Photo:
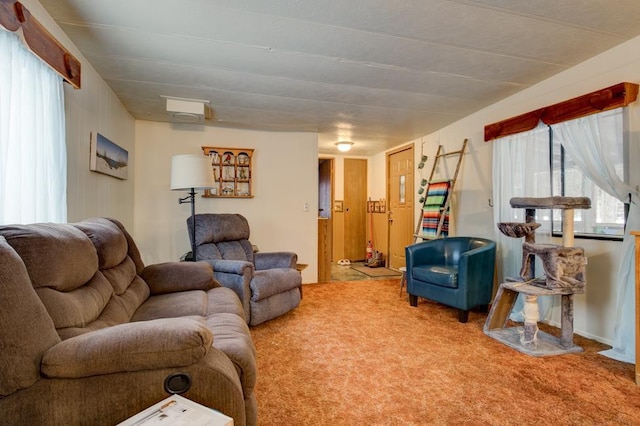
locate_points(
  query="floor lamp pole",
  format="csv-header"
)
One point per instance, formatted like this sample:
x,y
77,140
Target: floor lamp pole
x,y
193,222
191,198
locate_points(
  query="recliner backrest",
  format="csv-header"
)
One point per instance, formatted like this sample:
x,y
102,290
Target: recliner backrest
x,y
222,236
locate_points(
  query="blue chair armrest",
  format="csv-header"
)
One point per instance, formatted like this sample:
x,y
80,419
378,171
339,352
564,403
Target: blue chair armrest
x,y
476,274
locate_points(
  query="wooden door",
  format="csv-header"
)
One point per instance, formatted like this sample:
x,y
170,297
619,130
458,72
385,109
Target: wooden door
x,y
355,209
400,203
325,219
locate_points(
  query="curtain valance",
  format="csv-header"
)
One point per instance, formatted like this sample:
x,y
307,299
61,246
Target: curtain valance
x,y
619,95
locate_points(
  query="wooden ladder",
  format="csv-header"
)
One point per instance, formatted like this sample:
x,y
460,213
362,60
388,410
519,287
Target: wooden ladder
x,y
418,235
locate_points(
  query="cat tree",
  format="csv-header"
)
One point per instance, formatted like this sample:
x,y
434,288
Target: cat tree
x,y
564,275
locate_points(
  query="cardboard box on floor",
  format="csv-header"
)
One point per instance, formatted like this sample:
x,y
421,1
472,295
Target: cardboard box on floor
x,y
178,411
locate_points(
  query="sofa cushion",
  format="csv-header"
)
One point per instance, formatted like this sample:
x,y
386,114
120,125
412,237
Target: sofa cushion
x,y
27,330
138,346
180,304
121,276
233,338
224,300
132,249
444,276
119,310
109,241
79,307
57,256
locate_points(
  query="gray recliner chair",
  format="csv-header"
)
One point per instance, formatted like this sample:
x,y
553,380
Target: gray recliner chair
x,y
268,284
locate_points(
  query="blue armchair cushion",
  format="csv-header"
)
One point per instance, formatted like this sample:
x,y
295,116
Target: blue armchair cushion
x,y
444,276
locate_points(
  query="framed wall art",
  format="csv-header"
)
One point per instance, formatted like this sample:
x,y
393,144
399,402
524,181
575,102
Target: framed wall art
x,y
108,157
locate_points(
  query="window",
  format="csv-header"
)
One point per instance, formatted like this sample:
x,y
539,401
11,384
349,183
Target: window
x,y
33,155
606,218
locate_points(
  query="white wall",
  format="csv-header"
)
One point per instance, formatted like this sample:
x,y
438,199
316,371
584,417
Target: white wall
x,y
377,177
93,108
285,177
594,311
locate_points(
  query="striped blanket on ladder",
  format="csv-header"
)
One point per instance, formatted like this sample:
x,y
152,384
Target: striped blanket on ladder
x,y
436,197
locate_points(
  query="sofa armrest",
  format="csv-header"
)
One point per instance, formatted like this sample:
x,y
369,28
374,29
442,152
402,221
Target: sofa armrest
x,y
144,345
171,277
276,259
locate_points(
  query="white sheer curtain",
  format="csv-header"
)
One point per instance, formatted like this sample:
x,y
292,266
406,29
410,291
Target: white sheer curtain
x,y
520,169
590,142
33,158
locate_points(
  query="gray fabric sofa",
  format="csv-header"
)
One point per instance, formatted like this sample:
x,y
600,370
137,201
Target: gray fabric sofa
x,y
89,333
268,284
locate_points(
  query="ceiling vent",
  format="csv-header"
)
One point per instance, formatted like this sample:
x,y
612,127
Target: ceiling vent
x,y
183,110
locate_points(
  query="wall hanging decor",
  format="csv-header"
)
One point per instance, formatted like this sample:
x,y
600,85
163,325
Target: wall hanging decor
x,y
231,168
108,157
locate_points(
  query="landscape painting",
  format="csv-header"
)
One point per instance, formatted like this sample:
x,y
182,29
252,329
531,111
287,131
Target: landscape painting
x,y
108,158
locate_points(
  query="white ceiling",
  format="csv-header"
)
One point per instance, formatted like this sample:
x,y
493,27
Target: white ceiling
x,y
376,72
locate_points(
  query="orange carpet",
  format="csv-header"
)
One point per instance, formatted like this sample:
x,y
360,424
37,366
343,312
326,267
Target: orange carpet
x,y
377,272
356,353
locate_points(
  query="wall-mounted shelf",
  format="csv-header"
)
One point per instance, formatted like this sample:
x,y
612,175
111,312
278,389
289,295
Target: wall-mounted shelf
x,y
231,168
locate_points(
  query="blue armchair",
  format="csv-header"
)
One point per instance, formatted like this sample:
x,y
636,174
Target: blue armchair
x,y
454,271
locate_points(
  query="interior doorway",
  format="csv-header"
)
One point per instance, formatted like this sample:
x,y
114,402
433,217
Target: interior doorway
x,y
400,196
325,217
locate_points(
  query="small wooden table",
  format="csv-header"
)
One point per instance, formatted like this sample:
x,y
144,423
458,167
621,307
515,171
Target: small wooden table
x,y
301,267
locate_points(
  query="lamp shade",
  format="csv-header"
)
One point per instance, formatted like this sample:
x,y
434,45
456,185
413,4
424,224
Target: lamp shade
x,y
191,171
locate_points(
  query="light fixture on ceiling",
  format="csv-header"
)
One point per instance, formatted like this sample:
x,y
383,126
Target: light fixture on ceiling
x,y
344,146
186,110
191,172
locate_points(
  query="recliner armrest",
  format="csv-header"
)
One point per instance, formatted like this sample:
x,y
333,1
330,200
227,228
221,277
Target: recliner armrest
x,y
276,259
171,277
144,345
231,266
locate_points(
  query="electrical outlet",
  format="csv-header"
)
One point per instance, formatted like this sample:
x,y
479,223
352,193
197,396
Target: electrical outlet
x,y
305,207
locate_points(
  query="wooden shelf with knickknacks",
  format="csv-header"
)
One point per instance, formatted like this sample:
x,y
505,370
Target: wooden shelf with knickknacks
x,y
231,169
